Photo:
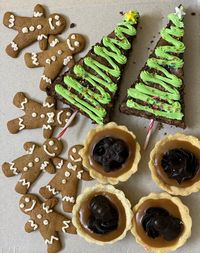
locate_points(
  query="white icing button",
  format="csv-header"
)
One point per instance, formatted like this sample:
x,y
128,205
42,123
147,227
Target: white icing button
x,y
37,159
30,164
74,150
53,58
68,114
57,17
39,216
34,114
25,169
45,222
24,29
31,28
39,27
73,36
60,52
67,174
48,61
51,143
21,205
42,116
64,181
27,200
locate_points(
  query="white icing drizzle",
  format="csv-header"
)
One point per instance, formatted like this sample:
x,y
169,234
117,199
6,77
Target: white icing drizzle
x,y
67,60
44,165
79,174
22,126
52,189
54,42
34,59
41,37
32,207
25,29
60,164
58,117
46,79
50,116
75,160
31,149
37,14
13,168
31,28
46,127
47,152
46,208
76,43
50,23
46,104
66,223
33,224
23,103
68,199
69,45
24,182
71,167
51,240
14,46
11,21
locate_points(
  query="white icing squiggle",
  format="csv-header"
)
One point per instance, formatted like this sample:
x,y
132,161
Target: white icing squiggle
x,y
46,79
46,208
13,168
52,189
22,126
34,59
75,160
37,14
31,149
23,103
24,182
46,104
50,116
44,165
46,127
67,60
71,167
11,21
41,37
69,45
32,207
14,46
33,224
66,223
68,199
51,240
59,165
54,42
79,174
58,117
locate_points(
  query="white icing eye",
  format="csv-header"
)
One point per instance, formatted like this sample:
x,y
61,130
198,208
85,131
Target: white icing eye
x,y
21,205
27,200
56,148
67,174
25,169
45,222
39,27
42,116
39,216
68,114
76,44
31,28
74,150
34,114
51,143
37,159
59,52
64,181
30,164
58,23
73,36
57,17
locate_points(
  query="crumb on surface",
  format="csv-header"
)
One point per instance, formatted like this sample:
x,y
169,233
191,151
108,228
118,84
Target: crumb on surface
x,y
121,13
152,41
193,13
72,25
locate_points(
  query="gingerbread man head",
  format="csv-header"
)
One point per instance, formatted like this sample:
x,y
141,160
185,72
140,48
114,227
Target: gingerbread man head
x,y
52,147
28,203
75,42
56,23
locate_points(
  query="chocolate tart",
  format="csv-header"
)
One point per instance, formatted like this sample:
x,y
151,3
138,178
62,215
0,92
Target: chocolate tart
x,y
102,214
174,164
161,222
111,153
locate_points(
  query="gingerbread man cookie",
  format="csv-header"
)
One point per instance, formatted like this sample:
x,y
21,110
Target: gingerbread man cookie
x,y
66,179
38,115
46,220
54,59
31,29
37,159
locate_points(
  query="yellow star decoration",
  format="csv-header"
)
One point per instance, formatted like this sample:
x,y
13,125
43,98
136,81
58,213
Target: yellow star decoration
x,y
131,16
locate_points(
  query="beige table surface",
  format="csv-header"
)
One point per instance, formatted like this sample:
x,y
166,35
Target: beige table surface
x,y
94,18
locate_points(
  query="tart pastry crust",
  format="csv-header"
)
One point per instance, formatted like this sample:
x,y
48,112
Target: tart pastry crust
x,y
104,179
93,190
172,189
184,216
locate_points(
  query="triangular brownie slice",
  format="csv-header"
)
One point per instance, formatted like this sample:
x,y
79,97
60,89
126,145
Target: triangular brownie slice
x,y
159,89
92,84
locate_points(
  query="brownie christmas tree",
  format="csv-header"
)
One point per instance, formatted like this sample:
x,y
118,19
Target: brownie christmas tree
x,y
158,92
91,86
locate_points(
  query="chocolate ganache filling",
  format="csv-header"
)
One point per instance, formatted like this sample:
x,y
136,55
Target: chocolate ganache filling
x,y
111,153
180,164
104,215
158,222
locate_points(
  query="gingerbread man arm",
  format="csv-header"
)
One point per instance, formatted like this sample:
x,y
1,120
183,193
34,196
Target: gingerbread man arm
x,y
34,60
30,147
50,168
30,226
53,41
51,202
86,176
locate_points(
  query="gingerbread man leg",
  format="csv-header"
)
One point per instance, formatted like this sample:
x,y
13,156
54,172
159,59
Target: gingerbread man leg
x,y
69,198
64,225
9,169
48,191
52,240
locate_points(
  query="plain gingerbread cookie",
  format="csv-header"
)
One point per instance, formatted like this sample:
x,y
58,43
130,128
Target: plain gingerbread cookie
x,y
46,220
31,165
31,29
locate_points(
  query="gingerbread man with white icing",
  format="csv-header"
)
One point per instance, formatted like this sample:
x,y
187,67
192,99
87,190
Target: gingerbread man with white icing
x,y
38,115
46,220
30,29
31,165
59,54
66,179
